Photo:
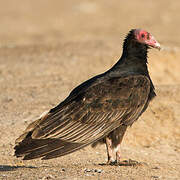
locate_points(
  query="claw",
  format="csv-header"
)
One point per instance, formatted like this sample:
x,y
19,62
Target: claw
x,y
129,162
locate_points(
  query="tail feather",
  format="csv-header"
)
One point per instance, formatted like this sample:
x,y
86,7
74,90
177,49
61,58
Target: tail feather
x,y
29,146
46,148
67,149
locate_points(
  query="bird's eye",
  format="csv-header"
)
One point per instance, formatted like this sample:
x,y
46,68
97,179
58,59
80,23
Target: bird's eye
x,y
142,35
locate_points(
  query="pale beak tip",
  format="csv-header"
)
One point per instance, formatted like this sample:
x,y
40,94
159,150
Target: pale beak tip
x,y
158,46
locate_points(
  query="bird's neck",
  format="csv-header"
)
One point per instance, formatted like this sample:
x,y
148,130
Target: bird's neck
x,y
135,52
133,59
132,62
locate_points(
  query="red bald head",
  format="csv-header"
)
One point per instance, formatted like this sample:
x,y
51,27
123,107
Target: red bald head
x,y
144,37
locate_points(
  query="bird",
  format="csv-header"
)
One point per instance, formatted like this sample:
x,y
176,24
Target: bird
x,y
98,110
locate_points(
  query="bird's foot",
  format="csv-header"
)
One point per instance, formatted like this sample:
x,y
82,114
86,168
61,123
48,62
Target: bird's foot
x,y
111,162
129,162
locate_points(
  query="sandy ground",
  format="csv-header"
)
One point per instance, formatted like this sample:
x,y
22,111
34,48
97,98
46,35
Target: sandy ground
x,y
48,48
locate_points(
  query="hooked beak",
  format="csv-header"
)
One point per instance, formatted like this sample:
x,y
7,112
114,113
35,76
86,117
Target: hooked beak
x,y
157,46
153,43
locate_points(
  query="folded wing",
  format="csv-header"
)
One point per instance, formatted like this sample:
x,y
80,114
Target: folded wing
x,y
87,115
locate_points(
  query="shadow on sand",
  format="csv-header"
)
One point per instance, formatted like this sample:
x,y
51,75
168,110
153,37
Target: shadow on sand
x,y
129,162
12,168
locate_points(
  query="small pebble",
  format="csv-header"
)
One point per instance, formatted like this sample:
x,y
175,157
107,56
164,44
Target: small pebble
x,y
87,170
63,169
48,177
155,177
93,170
98,170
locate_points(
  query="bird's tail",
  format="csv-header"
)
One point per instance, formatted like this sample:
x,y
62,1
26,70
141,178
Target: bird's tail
x,y
31,148
46,148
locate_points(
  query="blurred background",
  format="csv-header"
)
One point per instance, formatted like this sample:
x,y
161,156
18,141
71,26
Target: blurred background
x,y
25,22
49,47
94,27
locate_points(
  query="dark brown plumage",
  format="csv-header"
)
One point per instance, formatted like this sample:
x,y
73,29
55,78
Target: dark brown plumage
x,y
100,108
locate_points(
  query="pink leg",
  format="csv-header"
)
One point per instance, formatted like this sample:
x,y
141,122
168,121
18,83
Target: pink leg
x,y
120,131
118,153
109,150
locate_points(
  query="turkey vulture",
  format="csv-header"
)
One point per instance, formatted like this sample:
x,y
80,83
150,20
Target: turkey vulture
x,y
100,109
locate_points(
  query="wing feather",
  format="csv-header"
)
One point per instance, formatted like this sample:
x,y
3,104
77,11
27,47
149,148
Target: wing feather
x,y
85,117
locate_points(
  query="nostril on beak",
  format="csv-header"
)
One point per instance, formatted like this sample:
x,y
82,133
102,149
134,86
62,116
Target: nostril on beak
x,y
158,46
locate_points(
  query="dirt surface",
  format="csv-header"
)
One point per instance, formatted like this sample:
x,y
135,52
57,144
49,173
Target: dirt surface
x,y
49,47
